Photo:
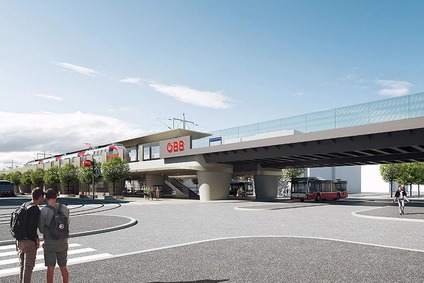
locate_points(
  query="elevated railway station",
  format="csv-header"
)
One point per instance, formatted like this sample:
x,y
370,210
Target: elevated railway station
x,y
385,131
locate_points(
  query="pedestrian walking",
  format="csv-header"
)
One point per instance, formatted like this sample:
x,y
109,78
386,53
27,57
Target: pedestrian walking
x,y
148,192
27,245
157,193
400,197
54,225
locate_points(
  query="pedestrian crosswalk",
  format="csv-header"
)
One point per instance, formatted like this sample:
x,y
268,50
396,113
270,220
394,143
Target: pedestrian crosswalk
x,y
9,262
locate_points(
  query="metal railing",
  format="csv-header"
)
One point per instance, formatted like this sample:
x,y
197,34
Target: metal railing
x,y
391,109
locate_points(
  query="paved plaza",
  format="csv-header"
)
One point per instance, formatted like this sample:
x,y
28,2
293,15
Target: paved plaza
x,y
360,239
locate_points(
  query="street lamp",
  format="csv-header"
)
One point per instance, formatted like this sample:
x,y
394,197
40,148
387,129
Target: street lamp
x,y
88,163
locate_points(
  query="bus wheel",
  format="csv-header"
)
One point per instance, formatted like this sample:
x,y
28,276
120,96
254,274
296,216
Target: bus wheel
x,y
318,198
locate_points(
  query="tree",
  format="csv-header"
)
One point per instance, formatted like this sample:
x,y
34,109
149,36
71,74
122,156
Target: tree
x,y
15,178
291,173
51,176
406,175
26,178
85,175
2,175
7,176
389,173
114,170
37,177
420,175
68,174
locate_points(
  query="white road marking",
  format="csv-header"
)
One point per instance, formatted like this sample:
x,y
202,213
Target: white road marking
x,y
41,256
11,264
356,213
265,236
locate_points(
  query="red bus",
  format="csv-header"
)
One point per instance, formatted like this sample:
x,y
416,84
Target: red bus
x,y
318,189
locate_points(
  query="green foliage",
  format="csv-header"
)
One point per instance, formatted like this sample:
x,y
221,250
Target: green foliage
x,y
2,175
85,174
68,174
389,172
37,177
7,176
406,173
114,170
15,178
26,178
419,171
290,173
51,176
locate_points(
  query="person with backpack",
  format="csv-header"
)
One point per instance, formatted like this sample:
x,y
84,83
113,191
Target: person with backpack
x,y
23,227
54,225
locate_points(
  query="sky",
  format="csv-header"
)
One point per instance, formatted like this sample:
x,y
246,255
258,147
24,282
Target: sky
x,y
76,72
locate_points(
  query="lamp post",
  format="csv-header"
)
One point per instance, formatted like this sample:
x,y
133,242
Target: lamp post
x,y
88,163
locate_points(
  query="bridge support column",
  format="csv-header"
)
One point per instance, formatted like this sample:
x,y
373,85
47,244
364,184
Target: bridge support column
x,y
152,180
266,186
213,185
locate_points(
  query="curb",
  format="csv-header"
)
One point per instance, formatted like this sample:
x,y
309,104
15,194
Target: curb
x,y
132,222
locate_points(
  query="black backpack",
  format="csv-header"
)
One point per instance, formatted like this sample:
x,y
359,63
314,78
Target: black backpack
x,y
59,226
18,222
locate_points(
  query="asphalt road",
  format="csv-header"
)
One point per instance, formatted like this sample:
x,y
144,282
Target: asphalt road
x,y
243,241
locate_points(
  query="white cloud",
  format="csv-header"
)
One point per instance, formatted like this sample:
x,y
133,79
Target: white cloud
x,y
130,80
185,94
120,109
78,69
393,88
22,135
49,97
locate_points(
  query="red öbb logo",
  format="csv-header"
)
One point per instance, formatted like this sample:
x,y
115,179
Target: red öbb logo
x,y
175,146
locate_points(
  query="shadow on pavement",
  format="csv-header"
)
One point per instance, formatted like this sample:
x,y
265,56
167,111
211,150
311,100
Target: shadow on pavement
x,y
197,281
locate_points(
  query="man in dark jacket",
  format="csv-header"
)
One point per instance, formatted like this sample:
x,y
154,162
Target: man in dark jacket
x,y
400,197
27,248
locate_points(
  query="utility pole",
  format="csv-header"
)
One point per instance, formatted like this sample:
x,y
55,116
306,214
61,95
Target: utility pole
x,y
186,123
43,154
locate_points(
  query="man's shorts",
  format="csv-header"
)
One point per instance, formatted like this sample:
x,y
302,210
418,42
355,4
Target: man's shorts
x,y
55,251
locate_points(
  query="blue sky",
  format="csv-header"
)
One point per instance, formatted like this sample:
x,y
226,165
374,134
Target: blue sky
x,y
75,72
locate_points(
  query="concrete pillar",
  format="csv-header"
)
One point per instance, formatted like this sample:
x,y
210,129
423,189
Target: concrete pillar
x,y
213,185
266,186
152,180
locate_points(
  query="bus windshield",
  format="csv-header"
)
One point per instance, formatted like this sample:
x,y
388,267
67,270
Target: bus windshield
x,y
300,187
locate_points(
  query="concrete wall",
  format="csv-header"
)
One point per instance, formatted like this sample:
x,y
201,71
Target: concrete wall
x,y
213,185
371,180
353,176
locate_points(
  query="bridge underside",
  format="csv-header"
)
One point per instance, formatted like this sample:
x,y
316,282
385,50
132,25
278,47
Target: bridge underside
x,y
391,142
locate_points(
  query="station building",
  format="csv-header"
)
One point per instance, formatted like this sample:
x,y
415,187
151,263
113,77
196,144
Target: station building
x,y
174,161
150,160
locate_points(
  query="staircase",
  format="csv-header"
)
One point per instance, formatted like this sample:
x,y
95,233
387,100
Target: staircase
x,y
178,186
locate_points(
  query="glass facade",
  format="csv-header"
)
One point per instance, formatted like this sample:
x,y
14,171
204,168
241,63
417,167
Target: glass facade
x,y
151,151
391,109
